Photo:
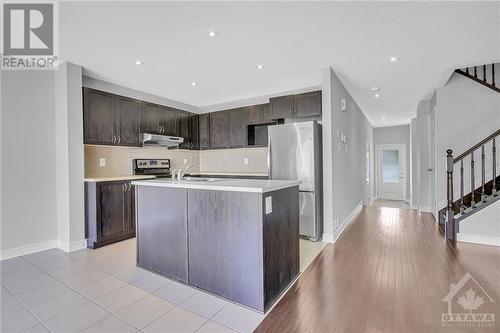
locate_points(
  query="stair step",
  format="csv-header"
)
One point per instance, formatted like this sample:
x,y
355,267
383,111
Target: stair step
x,y
479,205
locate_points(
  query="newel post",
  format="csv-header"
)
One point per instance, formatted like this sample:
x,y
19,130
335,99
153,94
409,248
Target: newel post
x,y
450,228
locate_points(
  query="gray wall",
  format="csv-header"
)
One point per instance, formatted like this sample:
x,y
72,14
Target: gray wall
x,y
393,135
28,158
344,172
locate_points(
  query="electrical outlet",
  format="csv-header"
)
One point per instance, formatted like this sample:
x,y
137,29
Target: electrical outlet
x,y
185,161
269,205
102,162
245,161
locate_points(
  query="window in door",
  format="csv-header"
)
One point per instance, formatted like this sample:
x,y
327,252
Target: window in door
x,y
390,166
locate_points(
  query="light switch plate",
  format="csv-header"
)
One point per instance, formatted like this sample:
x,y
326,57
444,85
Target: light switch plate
x,y
269,205
102,162
245,161
343,104
185,161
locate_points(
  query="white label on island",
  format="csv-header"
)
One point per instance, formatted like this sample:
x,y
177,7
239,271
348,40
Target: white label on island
x,y
269,205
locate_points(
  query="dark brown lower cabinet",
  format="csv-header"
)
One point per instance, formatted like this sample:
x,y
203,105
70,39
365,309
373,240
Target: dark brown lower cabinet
x,y
109,212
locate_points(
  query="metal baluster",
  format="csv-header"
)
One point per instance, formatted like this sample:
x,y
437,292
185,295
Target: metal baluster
x,y
450,230
484,73
475,71
472,182
493,76
483,176
466,70
462,207
494,183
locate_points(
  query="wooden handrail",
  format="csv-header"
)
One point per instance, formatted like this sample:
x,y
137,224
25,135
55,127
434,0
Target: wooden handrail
x,y
476,146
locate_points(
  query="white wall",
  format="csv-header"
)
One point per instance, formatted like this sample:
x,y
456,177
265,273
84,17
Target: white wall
x,y
393,135
28,160
466,113
344,170
482,227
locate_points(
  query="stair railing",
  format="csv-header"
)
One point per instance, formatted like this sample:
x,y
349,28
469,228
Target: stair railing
x,y
482,79
451,228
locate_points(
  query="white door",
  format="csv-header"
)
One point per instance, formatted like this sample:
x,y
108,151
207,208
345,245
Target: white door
x,y
391,171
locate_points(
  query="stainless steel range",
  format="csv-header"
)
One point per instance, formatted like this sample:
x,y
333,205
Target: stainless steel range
x,y
157,167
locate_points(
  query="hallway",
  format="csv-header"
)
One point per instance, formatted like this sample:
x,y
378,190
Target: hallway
x,y
389,272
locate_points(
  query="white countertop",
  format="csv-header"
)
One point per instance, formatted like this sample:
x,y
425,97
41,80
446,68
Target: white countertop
x,y
230,174
117,178
237,185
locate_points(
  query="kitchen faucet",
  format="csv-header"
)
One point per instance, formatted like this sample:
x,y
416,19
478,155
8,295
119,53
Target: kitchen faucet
x,y
181,171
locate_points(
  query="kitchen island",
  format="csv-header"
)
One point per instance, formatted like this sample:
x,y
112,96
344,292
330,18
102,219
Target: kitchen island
x,y
235,238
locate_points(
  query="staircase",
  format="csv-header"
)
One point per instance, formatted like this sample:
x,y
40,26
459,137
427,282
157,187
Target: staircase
x,y
482,195
484,74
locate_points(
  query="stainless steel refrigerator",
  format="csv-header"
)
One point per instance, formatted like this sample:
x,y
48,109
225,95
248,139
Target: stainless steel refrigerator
x,y
295,153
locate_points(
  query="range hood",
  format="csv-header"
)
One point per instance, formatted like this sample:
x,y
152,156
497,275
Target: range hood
x,y
161,140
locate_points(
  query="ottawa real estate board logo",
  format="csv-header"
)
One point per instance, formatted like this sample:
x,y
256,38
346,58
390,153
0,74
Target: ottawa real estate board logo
x,y
28,36
469,305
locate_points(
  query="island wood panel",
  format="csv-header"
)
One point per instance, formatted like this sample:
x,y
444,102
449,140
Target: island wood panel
x,y
225,244
281,242
161,223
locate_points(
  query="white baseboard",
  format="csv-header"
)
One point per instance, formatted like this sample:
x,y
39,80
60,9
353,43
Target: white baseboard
x,y
348,220
28,249
425,209
73,246
42,246
328,238
332,238
478,239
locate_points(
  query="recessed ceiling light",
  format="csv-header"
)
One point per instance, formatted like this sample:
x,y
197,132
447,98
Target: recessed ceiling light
x,y
384,117
393,59
194,84
375,88
260,67
212,34
376,95
138,62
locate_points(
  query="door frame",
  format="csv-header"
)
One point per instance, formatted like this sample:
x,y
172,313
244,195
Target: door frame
x,y
378,147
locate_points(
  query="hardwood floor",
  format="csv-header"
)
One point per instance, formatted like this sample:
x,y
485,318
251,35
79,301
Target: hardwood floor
x,y
389,272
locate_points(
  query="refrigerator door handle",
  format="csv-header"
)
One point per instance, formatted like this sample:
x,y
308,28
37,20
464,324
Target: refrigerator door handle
x,y
269,160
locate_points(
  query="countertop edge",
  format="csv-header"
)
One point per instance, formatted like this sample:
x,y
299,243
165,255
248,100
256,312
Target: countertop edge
x,y
116,178
221,187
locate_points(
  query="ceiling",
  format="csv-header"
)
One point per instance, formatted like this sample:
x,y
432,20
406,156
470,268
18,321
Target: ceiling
x,y
293,41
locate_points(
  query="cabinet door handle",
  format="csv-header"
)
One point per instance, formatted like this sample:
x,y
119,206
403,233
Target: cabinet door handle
x,y
119,139
114,138
124,187
129,187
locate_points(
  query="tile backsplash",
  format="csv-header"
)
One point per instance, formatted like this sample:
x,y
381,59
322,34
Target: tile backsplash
x,y
118,160
233,161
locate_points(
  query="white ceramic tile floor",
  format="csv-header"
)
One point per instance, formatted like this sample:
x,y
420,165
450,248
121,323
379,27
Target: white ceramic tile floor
x,y
102,290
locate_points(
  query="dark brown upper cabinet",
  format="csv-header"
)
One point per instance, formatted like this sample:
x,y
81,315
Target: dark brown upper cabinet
x,y
111,119
281,107
237,128
99,117
169,121
151,118
183,129
194,131
128,125
307,104
204,130
218,129
258,114
296,106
